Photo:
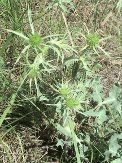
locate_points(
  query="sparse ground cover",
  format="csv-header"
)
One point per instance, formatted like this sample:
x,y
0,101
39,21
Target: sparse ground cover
x,y
61,81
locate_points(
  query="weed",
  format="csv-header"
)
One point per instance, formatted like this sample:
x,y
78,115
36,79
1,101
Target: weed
x,y
56,78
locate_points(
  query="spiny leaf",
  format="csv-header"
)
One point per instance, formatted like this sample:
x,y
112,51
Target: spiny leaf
x,y
118,160
113,144
102,117
18,34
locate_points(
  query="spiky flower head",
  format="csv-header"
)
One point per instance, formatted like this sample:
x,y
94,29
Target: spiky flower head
x,y
72,102
35,40
92,39
64,91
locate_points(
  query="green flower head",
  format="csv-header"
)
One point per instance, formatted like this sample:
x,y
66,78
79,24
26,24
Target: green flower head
x,y
64,92
92,39
33,72
72,102
35,40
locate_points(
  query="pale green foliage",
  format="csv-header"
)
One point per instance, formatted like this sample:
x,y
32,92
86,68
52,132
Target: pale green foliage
x,y
118,160
114,147
34,70
119,5
63,78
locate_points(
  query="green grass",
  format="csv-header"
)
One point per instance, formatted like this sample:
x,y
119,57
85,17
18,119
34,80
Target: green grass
x,y
60,80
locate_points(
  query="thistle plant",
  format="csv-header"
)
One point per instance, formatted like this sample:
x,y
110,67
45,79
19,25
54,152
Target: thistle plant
x,y
88,121
93,41
40,46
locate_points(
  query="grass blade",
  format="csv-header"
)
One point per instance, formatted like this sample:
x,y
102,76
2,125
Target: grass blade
x,y
8,109
30,20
